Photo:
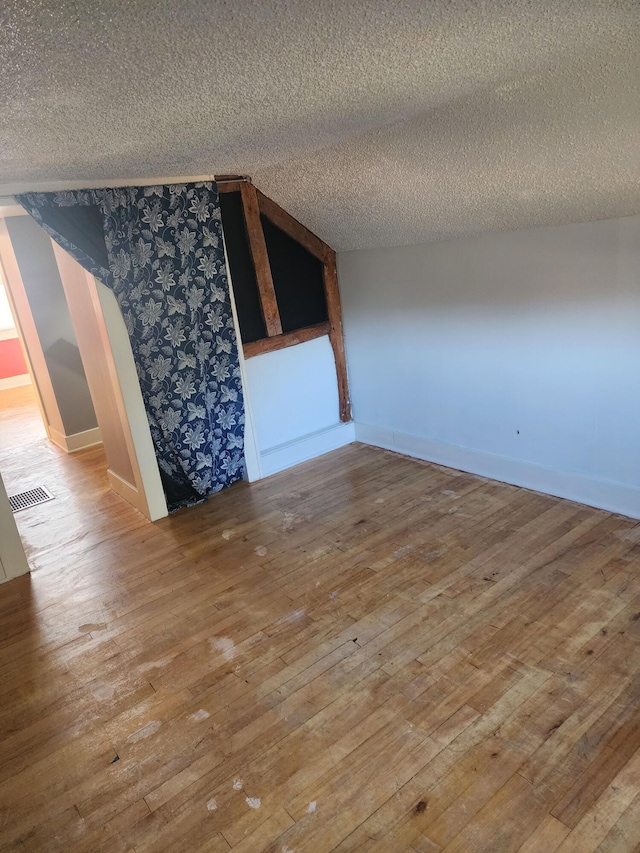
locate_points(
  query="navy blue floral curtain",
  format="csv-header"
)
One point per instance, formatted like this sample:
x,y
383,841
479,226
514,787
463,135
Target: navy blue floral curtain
x,y
160,250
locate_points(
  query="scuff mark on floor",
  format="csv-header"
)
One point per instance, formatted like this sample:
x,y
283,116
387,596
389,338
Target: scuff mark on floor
x,y
404,551
199,715
292,519
102,692
224,645
154,664
294,616
146,731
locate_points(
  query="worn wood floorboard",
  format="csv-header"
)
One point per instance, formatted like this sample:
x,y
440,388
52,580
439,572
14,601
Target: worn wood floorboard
x,y
364,653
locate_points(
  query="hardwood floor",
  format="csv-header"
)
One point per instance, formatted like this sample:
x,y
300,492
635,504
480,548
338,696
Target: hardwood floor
x,y
363,653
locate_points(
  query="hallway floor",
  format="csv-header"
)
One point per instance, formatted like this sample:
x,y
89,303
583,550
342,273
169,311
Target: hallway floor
x,y
363,653
78,481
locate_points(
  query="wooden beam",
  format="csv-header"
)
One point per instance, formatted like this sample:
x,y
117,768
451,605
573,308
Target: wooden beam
x,y
292,227
254,204
289,339
230,186
258,247
332,295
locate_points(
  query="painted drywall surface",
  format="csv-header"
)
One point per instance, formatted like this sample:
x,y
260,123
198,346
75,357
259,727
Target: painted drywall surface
x,y
523,345
6,317
293,395
294,392
41,279
12,361
13,367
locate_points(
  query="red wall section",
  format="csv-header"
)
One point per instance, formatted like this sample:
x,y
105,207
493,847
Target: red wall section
x,y
11,359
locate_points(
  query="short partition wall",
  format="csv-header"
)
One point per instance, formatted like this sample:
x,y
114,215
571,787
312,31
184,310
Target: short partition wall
x,y
284,279
294,400
285,288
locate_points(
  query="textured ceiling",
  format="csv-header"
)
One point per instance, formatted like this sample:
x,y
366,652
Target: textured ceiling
x,y
375,122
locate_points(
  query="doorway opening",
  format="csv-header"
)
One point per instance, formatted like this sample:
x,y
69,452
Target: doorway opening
x,y
71,415
78,481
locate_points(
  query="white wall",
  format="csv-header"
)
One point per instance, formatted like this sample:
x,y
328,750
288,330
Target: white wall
x,y
513,355
9,332
293,395
6,317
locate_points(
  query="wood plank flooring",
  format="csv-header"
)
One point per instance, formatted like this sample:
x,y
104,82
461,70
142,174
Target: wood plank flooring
x,y
365,653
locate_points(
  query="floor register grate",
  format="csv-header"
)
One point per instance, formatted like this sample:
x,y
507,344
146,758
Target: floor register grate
x,y
32,497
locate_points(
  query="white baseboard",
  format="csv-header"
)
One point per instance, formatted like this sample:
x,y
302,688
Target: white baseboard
x,y
603,494
15,381
77,440
308,447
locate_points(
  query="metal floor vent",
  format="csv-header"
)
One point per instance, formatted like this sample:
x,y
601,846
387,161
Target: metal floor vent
x,y
32,497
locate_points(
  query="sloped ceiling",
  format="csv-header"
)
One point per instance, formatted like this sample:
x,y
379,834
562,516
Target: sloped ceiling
x,y
375,122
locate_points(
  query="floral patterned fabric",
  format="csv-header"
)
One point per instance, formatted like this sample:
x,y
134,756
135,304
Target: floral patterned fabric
x,y
167,269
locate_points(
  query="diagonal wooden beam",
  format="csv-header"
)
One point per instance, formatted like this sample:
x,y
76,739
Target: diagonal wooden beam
x,y
258,249
292,227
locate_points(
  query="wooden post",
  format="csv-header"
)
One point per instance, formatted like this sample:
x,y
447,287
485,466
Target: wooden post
x,y
336,336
